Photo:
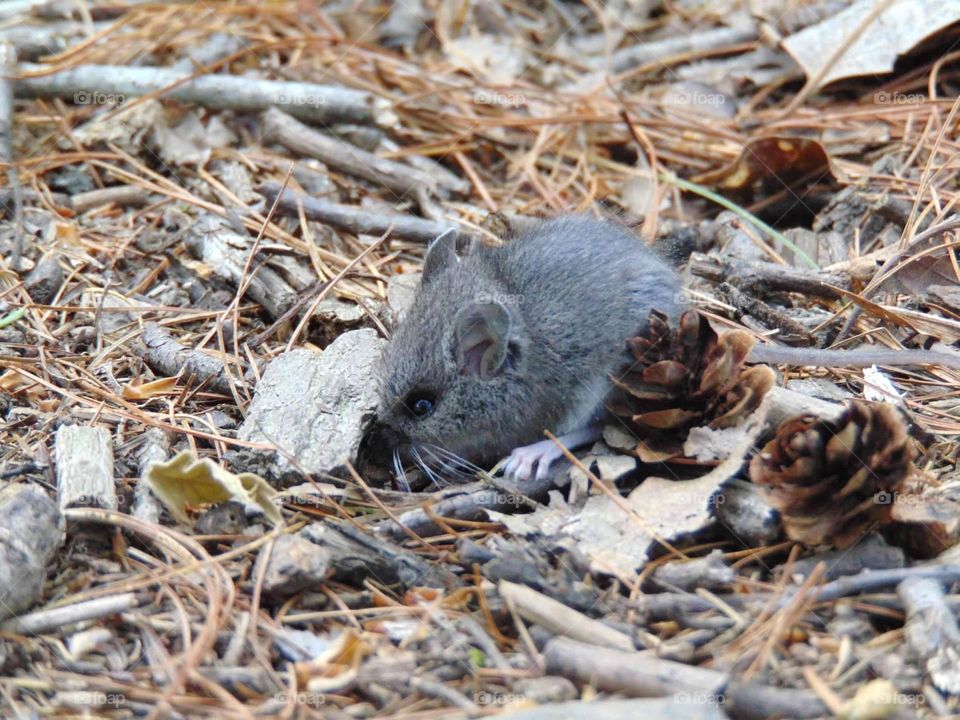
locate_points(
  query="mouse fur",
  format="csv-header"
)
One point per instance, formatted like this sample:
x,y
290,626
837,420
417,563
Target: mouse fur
x,y
511,340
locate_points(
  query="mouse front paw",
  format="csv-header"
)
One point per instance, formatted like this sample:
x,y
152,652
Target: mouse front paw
x,y
524,461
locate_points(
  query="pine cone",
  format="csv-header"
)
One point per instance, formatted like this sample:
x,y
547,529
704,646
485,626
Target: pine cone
x,y
686,378
833,481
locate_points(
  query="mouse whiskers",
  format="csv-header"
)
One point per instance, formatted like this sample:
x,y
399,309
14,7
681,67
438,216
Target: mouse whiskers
x,y
453,463
399,472
425,466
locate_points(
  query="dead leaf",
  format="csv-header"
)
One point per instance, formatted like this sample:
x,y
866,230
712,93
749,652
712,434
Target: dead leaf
x,y
786,159
191,141
902,26
945,329
618,542
186,481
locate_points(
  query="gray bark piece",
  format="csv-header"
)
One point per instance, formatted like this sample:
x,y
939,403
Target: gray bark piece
x,y
155,449
614,468
31,530
315,406
44,280
294,564
709,572
84,458
401,292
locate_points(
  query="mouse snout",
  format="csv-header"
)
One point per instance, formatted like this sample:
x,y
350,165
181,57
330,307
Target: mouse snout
x,y
379,443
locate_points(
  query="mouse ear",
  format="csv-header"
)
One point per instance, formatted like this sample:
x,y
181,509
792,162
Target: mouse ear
x,y
482,337
442,253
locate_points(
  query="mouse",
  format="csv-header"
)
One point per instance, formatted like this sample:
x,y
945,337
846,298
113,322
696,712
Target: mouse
x,y
510,340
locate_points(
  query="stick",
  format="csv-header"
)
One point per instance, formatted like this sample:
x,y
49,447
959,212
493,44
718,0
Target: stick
x,y
346,157
345,217
308,101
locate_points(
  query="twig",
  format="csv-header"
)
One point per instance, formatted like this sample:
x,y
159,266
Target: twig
x,y
341,155
43,621
345,217
308,101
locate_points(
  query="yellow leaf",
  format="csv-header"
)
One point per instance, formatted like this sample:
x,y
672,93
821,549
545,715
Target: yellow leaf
x,y
11,380
200,268
186,481
68,233
874,701
153,389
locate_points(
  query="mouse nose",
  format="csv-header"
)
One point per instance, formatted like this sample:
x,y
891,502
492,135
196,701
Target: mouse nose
x,y
377,447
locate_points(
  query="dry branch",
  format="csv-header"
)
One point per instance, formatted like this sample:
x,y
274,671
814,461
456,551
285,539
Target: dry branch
x,y
402,179
931,631
165,355
767,277
704,41
559,619
355,556
120,195
633,673
227,253
44,621
34,41
308,101
358,222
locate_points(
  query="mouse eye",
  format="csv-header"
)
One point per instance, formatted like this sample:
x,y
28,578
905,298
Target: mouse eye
x,y
420,404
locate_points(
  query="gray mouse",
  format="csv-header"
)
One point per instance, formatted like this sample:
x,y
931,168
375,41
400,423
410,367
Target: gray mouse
x,y
512,340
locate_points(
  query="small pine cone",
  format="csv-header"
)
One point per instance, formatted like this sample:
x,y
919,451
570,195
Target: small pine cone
x,y
686,378
834,480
